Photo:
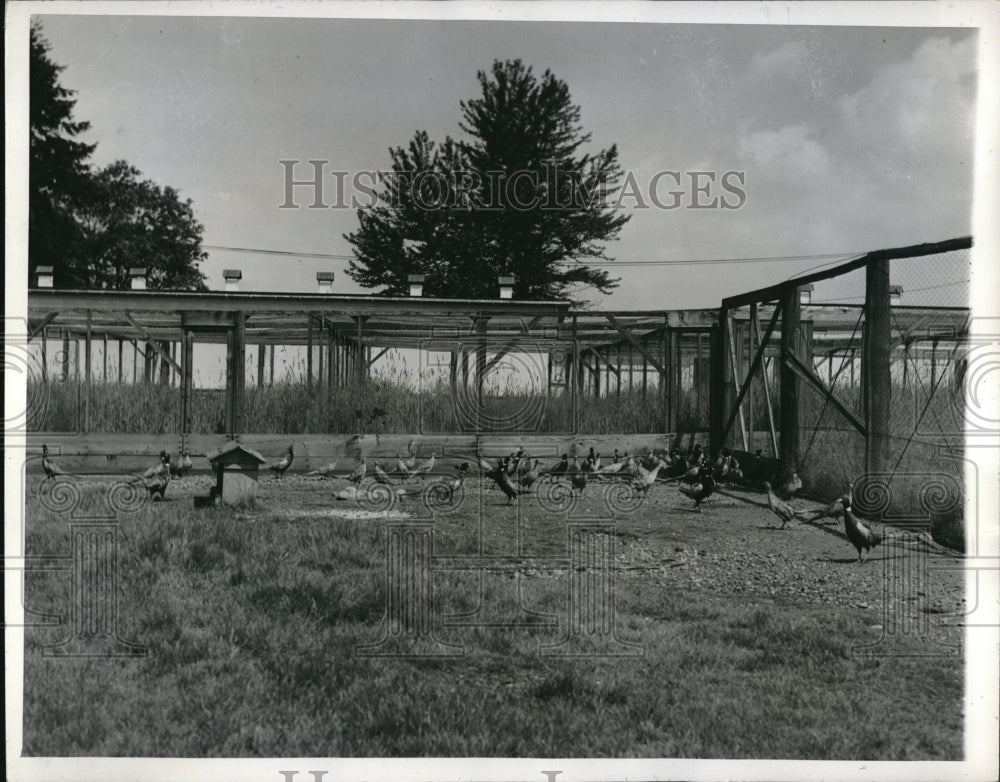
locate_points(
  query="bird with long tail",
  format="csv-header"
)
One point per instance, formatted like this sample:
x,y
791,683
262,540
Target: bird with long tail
x,y
326,470
528,478
381,477
780,508
863,534
358,474
52,470
700,491
279,468
561,468
182,466
157,478
647,478
425,467
502,480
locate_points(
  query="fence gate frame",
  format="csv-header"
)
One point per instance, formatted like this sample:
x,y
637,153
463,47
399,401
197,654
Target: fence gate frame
x,y
728,393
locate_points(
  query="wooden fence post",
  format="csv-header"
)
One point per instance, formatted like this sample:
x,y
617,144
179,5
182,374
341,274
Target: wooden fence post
x,y
89,344
187,385
875,371
791,326
239,371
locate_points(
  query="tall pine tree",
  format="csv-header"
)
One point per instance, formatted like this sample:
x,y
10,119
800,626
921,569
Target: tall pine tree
x,y
518,197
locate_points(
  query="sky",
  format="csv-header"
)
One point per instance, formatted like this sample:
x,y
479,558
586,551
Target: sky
x,y
844,139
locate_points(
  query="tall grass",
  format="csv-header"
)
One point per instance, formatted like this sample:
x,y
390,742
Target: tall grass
x,y
297,408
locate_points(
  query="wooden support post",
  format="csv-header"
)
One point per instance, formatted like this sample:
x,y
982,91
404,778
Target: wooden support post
x,y
330,352
748,358
45,359
719,400
135,361
668,404
360,363
765,382
76,358
934,344
482,322
164,365
87,376
65,358
791,326
321,345
309,351
261,352
699,380
230,362
618,375
875,372
671,384
733,348
187,385
338,359
104,359
239,374
121,349
271,367
645,369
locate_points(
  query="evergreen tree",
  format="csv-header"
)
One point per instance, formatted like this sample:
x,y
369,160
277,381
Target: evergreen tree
x,y
519,197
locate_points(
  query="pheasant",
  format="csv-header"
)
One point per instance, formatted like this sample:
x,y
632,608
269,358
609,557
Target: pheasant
x,y
456,483
788,486
647,478
326,470
861,532
503,481
183,465
157,478
279,468
702,490
425,467
528,478
157,484
162,466
403,468
612,469
381,477
782,510
51,468
560,469
412,461
359,473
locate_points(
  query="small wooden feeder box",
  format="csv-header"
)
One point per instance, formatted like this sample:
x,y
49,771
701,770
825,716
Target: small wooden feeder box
x,y
235,467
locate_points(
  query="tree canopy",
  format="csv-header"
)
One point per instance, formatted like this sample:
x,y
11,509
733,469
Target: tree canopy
x,y
518,197
92,225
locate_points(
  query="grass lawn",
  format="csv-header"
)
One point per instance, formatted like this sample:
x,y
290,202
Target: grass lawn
x,y
749,637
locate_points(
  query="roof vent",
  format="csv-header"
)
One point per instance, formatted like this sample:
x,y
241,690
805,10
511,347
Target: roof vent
x,y
416,284
232,277
806,293
325,281
44,276
506,287
137,277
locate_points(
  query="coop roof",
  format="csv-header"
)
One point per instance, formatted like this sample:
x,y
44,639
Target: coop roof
x,y
233,452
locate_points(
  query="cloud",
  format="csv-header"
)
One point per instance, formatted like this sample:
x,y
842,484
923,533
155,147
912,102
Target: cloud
x,y
786,60
790,153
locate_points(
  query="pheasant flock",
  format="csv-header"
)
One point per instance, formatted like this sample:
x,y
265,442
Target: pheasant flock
x,y
697,475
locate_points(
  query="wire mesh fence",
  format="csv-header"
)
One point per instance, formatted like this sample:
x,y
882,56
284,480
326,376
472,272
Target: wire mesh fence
x,y
857,375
